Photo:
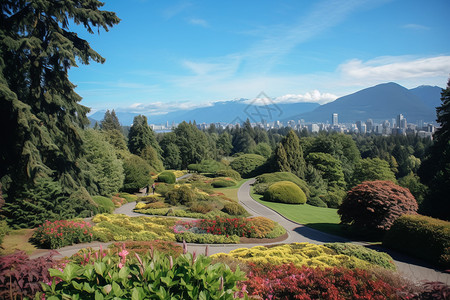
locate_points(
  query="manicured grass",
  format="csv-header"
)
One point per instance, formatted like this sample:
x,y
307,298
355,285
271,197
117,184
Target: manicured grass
x,y
323,219
231,192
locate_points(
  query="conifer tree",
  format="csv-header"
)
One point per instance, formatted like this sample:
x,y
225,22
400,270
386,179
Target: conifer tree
x,y
110,121
294,161
40,114
141,135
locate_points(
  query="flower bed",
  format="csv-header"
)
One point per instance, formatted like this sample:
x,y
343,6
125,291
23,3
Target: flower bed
x,y
57,234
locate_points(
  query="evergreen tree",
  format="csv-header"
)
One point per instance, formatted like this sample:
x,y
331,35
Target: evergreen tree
x,y
110,121
40,114
294,155
141,135
192,144
170,150
224,144
282,162
150,155
435,171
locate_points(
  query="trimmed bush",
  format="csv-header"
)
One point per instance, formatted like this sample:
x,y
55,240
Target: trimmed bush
x,y
202,207
228,173
248,165
167,177
372,256
234,209
223,183
316,201
281,176
181,195
423,237
105,205
375,205
285,192
190,237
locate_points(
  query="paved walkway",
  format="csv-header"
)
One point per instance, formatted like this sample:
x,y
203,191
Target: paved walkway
x,y
412,268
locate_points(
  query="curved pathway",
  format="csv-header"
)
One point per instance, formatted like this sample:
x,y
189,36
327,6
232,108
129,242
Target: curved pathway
x,y
412,268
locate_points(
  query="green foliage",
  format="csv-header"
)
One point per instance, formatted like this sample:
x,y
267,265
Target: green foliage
x,y
104,171
167,177
54,235
234,209
329,167
373,257
40,114
289,155
4,229
206,238
110,121
316,201
282,176
224,144
115,138
413,184
143,247
192,144
228,173
47,202
181,213
423,237
248,165
122,228
150,155
262,149
105,205
128,197
371,169
170,151
223,182
285,192
333,198
141,136
181,195
137,173
152,276
206,166
375,205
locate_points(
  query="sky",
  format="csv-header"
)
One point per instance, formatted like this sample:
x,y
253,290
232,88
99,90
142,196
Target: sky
x,y
169,55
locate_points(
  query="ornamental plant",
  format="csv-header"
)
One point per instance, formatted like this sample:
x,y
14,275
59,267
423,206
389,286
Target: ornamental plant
x,y
57,234
228,226
152,276
375,205
285,281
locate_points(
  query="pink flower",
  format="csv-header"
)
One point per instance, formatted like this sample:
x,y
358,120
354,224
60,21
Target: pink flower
x,y
120,265
123,253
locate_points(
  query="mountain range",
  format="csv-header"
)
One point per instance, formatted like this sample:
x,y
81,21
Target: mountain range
x,y
380,102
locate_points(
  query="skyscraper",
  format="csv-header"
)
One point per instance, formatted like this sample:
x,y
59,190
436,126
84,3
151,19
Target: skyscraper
x,y
369,125
334,120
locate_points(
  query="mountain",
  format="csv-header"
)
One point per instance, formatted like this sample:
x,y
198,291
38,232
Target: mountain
x,y
224,112
430,95
381,102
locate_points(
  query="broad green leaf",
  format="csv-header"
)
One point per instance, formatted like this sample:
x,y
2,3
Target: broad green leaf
x,y
100,267
98,295
202,296
116,289
76,285
55,273
88,288
123,273
166,280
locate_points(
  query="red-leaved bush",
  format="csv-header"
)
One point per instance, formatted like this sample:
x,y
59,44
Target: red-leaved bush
x,y
21,276
376,204
290,282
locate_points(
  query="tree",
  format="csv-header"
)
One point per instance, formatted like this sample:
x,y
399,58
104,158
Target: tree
x,y
375,205
150,155
248,164
435,170
141,135
40,114
137,173
224,144
262,149
192,144
293,161
370,169
110,121
330,168
170,150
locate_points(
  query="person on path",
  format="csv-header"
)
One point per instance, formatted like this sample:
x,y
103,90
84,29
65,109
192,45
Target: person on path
x,y
153,188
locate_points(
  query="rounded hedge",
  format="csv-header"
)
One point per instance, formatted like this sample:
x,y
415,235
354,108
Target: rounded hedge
x,y
248,164
167,177
285,192
228,173
282,176
234,209
223,183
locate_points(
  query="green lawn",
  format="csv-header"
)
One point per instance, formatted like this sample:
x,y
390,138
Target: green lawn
x,y
231,192
323,219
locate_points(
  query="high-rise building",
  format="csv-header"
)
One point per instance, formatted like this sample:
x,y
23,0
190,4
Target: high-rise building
x,y
369,125
334,120
400,121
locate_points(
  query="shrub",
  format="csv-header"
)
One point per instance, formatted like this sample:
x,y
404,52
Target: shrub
x,y
262,226
285,192
316,201
148,199
261,188
181,195
152,276
142,247
206,166
21,277
105,205
167,177
228,173
372,256
128,197
137,173
285,281
201,207
151,205
234,209
283,176
4,229
333,198
118,201
163,188
57,234
248,165
208,238
223,183
375,205
300,254
423,237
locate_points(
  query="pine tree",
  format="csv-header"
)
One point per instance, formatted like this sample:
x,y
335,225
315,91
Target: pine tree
x,y
141,135
110,121
40,114
295,162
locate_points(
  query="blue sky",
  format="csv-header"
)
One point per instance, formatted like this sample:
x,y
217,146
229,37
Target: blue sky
x,y
167,55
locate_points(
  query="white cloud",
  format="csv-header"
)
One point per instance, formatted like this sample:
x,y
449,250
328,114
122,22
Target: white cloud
x,y
314,96
199,22
396,68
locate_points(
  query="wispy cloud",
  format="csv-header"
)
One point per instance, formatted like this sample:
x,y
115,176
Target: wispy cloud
x,y
396,68
416,27
176,9
198,22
